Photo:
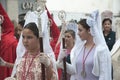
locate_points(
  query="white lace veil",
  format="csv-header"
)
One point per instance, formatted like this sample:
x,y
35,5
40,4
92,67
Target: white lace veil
x,y
73,26
33,17
94,21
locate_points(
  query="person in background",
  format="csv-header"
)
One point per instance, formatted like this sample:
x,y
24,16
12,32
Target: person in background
x,y
18,29
109,35
70,35
29,67
90,55
69,43
8,44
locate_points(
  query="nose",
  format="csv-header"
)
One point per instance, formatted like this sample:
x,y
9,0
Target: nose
x,y
25,40
66,38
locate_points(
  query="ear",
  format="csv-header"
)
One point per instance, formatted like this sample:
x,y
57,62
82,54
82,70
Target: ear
x,y
89,31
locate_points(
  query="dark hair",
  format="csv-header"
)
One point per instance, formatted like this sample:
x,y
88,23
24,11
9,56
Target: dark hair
x,y
71,32
22,23
84,24
106,19
33,27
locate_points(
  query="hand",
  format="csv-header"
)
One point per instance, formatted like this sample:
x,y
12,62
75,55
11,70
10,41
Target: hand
x,y
59,64
2,62
10,78
62,55
44,59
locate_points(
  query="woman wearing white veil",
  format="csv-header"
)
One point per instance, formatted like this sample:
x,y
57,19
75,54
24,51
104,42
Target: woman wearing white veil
x,y
90,57
32,16
70,37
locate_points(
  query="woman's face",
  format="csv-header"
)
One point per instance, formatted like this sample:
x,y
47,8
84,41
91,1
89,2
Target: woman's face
x,y
69,40
107,25
30,41
82,32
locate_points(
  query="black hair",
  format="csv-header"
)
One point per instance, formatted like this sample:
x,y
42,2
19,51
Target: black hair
x,y
33,27
71,32
106,19
84,24
22,22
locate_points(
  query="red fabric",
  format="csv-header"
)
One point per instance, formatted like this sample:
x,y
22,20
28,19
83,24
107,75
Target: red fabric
x,y
8,44
7,25
55,32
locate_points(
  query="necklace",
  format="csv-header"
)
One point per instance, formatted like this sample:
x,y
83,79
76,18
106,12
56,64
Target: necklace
x,y
25,73
83,72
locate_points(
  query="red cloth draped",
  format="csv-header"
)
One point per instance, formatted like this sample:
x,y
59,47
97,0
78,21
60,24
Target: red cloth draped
x,y
8,44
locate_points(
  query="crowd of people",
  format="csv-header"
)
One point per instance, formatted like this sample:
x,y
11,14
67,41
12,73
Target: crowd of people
x,y
91,50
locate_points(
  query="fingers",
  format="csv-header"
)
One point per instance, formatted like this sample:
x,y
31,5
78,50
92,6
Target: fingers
x,y
62,55
44,59
2,62
43,55
0,59
63,50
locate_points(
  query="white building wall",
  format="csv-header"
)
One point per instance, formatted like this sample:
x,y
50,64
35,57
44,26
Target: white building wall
x,y
12,9
72,7
116,6
85,6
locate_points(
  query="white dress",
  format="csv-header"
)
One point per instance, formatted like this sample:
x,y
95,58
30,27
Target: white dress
x,y
116,60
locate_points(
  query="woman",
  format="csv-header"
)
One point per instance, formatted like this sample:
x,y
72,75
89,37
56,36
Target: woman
x,y
30,66
18,29
70,38
69,43
90,57
110,36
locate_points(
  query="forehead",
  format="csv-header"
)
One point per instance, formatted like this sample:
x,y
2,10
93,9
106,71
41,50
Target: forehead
x,y
27,31
67,33
107,21
82,28
19,26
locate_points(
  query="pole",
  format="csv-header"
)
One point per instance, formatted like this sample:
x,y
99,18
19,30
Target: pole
x,y
62,16
40,7
64,61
